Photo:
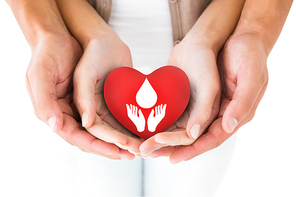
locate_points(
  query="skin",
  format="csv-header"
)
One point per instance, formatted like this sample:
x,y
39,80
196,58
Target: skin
x,y
243,72
55,54
231,101
203,42
196,55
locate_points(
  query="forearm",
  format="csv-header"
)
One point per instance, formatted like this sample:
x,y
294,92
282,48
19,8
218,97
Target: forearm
x,y
216,23
265,19
83,21
37,18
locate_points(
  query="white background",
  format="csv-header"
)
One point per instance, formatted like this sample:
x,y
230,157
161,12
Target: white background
x,y
264,160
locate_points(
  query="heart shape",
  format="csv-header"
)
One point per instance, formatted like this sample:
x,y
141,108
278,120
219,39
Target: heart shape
x,y
147,104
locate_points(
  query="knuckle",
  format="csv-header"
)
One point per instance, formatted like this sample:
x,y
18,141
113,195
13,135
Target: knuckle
x,y
247,107
70,140
217,144
206,114
82,149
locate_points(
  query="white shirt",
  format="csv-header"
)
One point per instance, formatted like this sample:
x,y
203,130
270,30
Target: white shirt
x,y
145,26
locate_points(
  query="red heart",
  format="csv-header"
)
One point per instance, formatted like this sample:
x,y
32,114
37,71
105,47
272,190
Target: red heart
x,y
147,104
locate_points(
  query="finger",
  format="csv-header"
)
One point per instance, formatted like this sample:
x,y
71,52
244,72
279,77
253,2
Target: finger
x,y
148,146
132,141
72,133
42,90
251,114
165,139
201,112
124,154
245,96
106,133
84,93
163,152
173,138
213,138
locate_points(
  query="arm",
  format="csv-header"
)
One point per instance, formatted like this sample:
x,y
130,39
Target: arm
x,y
256,33
243,69
55,54
37,19
41,24
103,52
216,24
265,19
196,55
83,21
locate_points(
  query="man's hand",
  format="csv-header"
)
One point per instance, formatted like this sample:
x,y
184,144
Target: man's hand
x,y
244,77
49,76
49,83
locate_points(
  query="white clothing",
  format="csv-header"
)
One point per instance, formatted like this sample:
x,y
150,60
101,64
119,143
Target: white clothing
x,y
43,164
145,26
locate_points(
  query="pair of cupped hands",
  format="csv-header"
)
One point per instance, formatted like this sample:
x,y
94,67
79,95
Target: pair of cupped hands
x,y
65,83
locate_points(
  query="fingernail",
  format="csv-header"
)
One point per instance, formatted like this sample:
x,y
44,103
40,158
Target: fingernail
x,y
176,161
136,154
123,157
84,119
120,145
232,123
154,156
195,130
146,155
52,122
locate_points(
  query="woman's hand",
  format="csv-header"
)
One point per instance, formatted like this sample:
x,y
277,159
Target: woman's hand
x,y
199,63
101,56
103,51
197,55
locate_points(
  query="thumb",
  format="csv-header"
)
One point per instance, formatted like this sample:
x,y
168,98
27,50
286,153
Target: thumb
x,y
42,91
244,102
84,95
202,112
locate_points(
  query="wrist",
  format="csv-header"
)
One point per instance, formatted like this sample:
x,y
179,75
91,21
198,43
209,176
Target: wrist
x,y
264,22
202,40
258,32
216,24
96,35
38,19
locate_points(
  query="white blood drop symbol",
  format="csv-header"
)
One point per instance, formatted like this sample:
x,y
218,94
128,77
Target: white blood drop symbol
x,y
146,96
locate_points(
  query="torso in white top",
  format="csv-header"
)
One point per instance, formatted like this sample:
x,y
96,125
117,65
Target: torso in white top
x,y
145,26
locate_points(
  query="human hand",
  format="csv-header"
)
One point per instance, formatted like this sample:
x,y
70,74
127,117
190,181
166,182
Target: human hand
x,y
101,56
49,83
49,76
199,63
243,70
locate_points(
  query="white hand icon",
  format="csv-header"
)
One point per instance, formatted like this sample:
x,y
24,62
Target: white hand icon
x,y
139,121
153,121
